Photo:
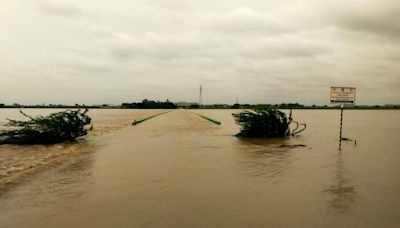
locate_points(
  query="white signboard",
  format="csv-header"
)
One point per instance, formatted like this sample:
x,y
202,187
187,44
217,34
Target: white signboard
x,y
343,95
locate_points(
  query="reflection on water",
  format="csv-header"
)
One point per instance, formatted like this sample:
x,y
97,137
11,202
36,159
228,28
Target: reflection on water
x,y
342,192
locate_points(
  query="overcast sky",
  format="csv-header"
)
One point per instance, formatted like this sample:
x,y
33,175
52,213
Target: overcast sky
x,y
264,51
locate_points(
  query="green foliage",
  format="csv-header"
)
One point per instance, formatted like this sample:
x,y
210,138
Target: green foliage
x,y
149,104
266,123
194,106
235,106
57,127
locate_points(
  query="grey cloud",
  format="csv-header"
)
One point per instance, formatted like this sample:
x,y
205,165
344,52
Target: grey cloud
x,y
163,47
174,5
383,24
240,20
291,46
60,8
368,16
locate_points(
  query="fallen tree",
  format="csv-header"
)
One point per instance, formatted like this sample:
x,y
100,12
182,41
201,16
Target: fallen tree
x,y
54,128
267,123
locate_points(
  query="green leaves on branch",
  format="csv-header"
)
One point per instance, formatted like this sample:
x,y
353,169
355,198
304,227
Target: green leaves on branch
x,y
267,123
57,127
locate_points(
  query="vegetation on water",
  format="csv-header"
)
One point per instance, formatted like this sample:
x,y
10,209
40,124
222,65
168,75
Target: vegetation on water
x,y
54,128
267,123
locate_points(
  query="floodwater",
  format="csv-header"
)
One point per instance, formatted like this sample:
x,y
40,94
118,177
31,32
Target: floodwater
x,y
19,161
179,170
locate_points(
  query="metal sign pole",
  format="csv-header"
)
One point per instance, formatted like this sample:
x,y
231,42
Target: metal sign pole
x,y
341,125
342,95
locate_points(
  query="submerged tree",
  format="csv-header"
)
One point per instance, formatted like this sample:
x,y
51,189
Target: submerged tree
x,y
266,123
57,127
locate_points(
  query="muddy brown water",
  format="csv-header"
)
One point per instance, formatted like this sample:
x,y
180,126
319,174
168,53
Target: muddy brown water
x,y
179,170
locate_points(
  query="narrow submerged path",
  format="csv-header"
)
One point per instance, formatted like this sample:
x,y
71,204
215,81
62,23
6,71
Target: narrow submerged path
x,y
178,121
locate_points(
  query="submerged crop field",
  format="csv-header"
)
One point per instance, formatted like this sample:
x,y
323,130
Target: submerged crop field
x,y
178,169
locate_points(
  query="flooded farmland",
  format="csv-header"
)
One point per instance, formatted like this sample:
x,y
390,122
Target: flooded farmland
x,y
180,170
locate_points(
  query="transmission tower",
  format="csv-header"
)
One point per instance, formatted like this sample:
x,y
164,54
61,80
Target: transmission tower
x,y
201,96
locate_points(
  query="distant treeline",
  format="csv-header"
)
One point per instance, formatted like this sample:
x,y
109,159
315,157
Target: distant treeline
x,y
150,104
63,106
298,106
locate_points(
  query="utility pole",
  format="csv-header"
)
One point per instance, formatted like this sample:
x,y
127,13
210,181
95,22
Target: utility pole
x,y
237,99
341,126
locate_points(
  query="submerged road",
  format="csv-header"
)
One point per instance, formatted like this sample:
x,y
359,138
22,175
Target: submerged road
x,y
179,170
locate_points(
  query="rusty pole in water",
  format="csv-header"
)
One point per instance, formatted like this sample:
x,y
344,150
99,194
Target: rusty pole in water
x,y
341,124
